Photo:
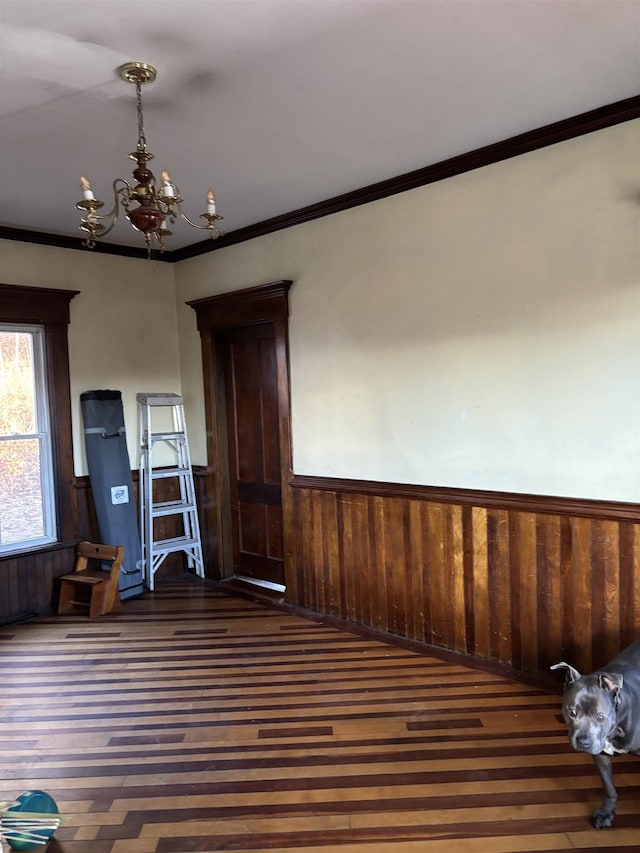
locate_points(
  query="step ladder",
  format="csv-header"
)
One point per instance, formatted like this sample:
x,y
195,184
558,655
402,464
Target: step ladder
x,y
164,455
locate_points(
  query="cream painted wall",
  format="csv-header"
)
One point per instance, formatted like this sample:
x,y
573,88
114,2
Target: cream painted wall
x,y
480,332
122,334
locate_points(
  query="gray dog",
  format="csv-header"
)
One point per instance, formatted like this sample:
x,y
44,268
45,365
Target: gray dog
x,y
602,711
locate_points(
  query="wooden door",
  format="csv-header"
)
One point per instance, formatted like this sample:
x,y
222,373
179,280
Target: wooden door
x,y
251,393
263,307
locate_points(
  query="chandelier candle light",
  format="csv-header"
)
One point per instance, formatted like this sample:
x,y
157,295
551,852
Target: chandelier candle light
x,y
156,206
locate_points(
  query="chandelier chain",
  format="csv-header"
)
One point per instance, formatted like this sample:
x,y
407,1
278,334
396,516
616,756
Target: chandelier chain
x,y
142,142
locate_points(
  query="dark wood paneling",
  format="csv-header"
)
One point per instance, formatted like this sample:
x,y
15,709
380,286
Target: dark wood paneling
x,y
515,584
209,534
616,510
28,580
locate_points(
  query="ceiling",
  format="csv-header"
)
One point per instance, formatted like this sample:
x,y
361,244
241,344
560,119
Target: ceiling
x,y
279,104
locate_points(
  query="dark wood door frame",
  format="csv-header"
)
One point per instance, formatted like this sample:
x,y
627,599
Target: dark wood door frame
x,y
265,303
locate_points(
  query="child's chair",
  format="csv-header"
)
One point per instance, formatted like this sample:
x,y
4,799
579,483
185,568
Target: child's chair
x,y
94,588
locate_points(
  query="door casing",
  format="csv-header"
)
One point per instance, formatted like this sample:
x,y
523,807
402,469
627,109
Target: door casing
x,y
264,303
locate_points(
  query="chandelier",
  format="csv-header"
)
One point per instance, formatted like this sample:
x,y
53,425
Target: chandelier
x,y
148,207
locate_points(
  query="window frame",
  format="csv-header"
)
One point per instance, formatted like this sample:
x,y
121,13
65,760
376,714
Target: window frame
x,y
41,433
49,309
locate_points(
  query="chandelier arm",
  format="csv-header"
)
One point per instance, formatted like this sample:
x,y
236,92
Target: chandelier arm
x,y
108,228
210,217
115,210
186,218
117,192
122,195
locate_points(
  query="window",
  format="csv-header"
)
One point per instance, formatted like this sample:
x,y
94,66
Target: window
x,y
27,500
38,500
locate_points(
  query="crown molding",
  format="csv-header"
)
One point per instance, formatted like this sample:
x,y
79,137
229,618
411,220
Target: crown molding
x,y
560,131
41,238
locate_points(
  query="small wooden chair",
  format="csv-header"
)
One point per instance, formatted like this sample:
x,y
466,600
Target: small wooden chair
x,y
94,588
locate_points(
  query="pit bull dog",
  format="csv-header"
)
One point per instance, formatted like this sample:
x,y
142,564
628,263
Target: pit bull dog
x,y
602,711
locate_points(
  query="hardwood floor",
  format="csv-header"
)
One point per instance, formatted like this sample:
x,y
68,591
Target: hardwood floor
x,y
194,721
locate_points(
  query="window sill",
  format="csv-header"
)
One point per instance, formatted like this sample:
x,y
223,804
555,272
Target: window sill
x,y
38,549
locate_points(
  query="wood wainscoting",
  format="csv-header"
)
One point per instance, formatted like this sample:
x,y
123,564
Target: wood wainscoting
x,y
28,579
511,579
519,580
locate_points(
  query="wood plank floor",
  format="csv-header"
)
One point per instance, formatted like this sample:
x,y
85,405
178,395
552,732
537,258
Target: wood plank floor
x,y
194,721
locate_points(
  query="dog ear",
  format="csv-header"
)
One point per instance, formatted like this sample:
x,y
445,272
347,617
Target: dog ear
x,y
612,682
571,674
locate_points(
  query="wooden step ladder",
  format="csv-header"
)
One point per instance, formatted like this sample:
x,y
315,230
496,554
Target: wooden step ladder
x,y
164,455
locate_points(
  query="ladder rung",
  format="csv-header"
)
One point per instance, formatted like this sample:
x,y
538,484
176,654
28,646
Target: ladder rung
x,y
160,473
159,399
168,436
172,508
179,543
174,435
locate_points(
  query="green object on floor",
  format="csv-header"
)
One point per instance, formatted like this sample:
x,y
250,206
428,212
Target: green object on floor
x,y
31,802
